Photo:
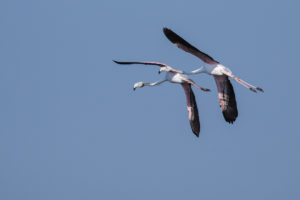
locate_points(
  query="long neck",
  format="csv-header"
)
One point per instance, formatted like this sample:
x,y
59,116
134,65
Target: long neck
x,y
197,71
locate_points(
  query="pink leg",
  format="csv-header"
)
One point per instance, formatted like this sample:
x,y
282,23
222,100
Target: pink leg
x,y
258,88
244,83
194,84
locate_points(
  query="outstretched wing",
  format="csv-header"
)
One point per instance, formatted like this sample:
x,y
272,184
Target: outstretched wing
x,y
192,108
151,63
226,98
144,63
185,46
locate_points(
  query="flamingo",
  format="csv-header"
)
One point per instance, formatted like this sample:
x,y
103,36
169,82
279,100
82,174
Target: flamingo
x,y
176,76
220,73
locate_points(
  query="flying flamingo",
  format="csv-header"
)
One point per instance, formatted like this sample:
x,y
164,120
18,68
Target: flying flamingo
x,y
220,72
176,76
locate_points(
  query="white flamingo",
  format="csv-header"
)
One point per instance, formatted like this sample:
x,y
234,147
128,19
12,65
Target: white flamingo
x,y
220,72
176,76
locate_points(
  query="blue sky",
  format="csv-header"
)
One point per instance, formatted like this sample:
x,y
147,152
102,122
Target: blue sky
x,y
72,127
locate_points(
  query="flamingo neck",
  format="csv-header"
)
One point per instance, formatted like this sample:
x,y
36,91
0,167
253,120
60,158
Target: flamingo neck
x,y
197,71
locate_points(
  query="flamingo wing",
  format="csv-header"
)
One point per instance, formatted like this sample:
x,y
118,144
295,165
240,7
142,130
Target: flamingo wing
x,y
187,47
226,98
192,108
144,63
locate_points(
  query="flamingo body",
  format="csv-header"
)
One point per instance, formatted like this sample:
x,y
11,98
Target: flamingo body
x,y
215,69
176,77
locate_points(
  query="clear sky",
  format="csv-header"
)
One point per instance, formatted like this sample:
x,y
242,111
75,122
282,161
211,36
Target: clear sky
x,y
73,128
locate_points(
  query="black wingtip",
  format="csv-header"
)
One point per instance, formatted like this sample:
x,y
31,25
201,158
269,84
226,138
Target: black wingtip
x,y
231,112
123,63
173,37
196,130
165,29
230,115
194,122
197,134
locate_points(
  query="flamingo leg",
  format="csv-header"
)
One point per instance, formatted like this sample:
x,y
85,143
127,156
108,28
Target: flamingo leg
x,y
196,85
257,88
244,83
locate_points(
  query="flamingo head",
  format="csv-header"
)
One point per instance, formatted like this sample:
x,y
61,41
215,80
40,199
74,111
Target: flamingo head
x,y
138,85
168,69
164,68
